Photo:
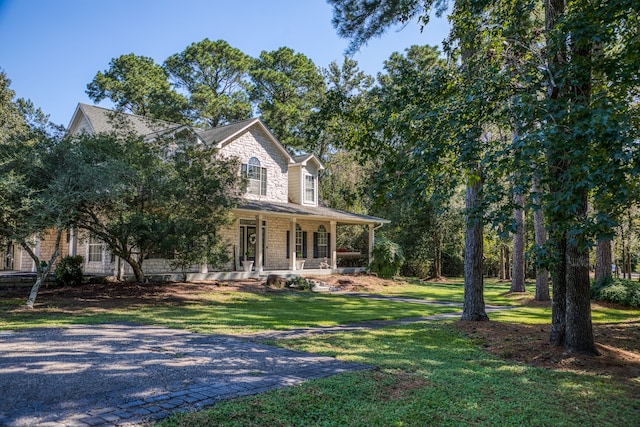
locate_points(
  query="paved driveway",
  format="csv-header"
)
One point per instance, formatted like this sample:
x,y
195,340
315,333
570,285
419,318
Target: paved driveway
x,y
117,373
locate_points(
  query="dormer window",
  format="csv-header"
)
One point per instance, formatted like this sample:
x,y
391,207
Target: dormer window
x,y
309,189
257,176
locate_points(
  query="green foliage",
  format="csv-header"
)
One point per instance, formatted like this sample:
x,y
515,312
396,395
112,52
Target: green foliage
x,y
300,283
619,291
39,195
213,74
286,87
165,196
387,258
138,85
452,264
68,271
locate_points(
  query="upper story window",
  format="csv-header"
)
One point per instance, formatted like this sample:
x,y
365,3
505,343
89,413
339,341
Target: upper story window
x,y
309,189
257,176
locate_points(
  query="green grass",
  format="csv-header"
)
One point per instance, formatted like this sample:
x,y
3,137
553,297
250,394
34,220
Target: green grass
x,y
495,292
231,312
426,374
423,374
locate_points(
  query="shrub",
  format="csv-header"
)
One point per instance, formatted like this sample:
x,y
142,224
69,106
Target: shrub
x,y
619,291
387,258
69,271
300,283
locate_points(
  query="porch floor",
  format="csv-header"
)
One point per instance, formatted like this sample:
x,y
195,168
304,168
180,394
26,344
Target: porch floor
x,y
239,275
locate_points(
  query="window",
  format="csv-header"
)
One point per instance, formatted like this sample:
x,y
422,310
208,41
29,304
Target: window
x,y
256,175
298,240
321,243
95,249
309,188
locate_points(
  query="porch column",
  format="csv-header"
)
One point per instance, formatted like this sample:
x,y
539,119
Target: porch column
x,y
259,254
292,245
37,252
334,252
204,268
72,242
371,241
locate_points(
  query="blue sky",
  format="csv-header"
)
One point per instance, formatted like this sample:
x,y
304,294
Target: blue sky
x,y
51,49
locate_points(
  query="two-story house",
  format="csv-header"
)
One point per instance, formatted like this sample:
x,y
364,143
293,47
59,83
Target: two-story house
x,y
279,224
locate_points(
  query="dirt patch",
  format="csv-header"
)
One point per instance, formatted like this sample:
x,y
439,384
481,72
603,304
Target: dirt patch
x,y
358,282
618,344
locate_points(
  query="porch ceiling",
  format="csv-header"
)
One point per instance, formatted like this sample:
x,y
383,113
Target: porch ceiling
x,y
314,212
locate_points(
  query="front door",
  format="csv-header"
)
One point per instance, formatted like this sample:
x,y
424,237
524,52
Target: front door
x,y
248,240
249,247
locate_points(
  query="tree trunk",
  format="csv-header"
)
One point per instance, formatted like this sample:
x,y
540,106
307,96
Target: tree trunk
x,y
40,276
559,300
502,269
136,266
507,266
474,308
542,274
42,268
437,257
579,330
517,278
603,259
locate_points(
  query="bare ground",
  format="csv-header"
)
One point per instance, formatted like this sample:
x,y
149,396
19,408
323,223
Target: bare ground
x,y
618,343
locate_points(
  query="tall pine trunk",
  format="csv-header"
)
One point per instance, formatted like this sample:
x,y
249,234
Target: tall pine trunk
x,y
542,274
559,299
517,277
579,331
474,307
603,259
437,256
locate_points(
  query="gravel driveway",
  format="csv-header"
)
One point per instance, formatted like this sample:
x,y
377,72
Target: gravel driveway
x,y
130,374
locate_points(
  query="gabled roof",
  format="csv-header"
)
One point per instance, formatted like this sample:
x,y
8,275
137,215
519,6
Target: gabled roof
x,y
316,212
104,120
306,158
223,135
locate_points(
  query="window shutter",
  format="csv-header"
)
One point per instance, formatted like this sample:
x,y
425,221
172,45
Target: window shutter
x,y
315,245
328,245
288,244
263,182
304,244
243,170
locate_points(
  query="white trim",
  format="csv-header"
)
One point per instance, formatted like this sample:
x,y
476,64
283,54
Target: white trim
x,y
249,124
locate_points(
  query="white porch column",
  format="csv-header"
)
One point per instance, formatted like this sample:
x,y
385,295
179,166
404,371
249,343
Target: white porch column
x,y
73,245
371,241
37,252
204,268
259,254
292,245
334,252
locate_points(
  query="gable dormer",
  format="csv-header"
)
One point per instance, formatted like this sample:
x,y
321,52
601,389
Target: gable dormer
x,y
264,161
303,180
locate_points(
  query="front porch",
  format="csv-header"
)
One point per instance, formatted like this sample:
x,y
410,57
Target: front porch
x,y
239,275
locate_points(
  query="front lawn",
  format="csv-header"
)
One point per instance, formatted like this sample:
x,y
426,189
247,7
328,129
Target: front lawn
x,y
428,374
443,372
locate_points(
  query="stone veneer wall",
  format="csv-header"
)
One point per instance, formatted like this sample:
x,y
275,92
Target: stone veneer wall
x,y
256,143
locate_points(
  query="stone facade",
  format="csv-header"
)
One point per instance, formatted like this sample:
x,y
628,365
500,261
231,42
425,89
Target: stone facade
x,y
256,143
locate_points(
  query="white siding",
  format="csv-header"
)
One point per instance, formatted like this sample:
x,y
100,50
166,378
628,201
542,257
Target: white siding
x,y
295,182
